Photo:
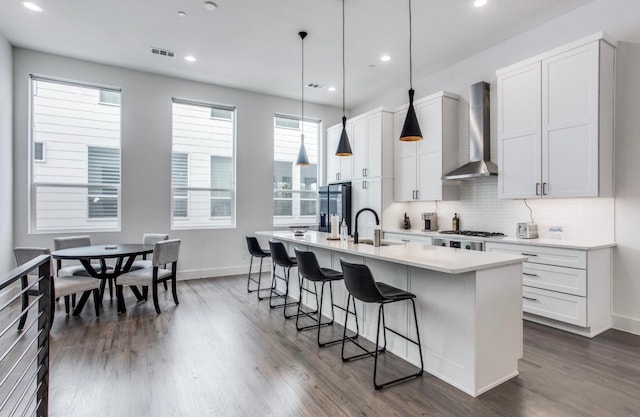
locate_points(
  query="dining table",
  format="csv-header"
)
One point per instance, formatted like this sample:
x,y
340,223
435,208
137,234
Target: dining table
x,y
123,254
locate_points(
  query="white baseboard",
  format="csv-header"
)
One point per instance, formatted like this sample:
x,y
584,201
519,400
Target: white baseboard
x,y
626,324
223,271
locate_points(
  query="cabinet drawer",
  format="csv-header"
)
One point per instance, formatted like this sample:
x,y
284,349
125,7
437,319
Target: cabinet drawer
x,y
554,305
571,258
408,237
555,278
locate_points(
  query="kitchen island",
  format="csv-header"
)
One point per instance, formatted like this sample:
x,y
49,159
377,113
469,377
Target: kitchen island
x,y
469,304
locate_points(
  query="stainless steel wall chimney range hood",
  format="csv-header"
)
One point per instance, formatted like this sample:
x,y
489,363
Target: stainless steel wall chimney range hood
x,y
479,164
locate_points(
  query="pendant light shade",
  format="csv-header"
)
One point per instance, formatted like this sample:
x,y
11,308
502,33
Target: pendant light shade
x,y
303,158
344,148
411,129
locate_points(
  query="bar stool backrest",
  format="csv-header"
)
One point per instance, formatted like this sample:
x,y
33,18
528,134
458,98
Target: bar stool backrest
x,y
308,265
360,283
254,247
279,254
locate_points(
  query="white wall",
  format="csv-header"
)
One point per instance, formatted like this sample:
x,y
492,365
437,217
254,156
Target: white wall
x,y
6,160
599,218
146,148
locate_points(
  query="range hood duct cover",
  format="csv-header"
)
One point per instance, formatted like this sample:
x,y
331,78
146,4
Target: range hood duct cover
x,y
479,164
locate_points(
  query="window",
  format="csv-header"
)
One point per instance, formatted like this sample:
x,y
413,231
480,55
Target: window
x,y
203,165
294,187
77,187
38,151
180,181
104,171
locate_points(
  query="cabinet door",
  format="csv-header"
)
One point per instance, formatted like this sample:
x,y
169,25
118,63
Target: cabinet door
x,y
366,193
570,123
333,161
519,133
429,166
374,145
404,166
359,147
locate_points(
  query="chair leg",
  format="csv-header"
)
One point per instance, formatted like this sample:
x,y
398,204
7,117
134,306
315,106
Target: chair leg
x,y
274,294
155,297
173,290
121,307
96,301
249,276
67,301
418,343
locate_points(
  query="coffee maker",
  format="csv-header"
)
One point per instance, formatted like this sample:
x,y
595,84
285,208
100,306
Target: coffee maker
x,y
430,222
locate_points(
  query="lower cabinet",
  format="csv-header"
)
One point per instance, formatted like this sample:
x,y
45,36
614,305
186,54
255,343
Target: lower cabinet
x,y
408,237
568,289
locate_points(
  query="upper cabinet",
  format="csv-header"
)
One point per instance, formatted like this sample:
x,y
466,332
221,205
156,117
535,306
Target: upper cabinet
x,y
338,167
555,123
370,140
419,166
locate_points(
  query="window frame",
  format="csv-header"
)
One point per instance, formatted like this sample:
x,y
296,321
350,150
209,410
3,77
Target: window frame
x,y
231,224
297,218
93,224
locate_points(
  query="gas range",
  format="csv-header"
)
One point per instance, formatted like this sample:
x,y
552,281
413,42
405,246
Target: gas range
x,y
471,233
455,239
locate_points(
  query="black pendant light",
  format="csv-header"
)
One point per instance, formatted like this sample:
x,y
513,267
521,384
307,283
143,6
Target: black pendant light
x,y
411,129
344,149
303,159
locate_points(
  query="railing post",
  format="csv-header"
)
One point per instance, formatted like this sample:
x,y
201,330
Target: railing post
x,y
44,325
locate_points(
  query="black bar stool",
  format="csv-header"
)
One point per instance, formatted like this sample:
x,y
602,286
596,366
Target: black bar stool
x,y
281,258
256,252
309,269
361,285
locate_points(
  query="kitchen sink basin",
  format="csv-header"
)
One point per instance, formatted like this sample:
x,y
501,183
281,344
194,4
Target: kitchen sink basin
x,y
382,243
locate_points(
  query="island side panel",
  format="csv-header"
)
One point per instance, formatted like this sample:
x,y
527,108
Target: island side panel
x,y
498,306
446,315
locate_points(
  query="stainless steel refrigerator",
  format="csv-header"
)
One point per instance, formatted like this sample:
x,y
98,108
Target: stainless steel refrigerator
x,y
334,199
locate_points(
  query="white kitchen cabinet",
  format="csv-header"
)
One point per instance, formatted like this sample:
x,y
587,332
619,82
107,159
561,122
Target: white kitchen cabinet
x,y
374,193
339,168
419,166
408,237
371,142
568,289
555,123
370,137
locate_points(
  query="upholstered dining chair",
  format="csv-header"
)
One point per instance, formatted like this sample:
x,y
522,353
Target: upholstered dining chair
x,y
165,253
148,239
63,286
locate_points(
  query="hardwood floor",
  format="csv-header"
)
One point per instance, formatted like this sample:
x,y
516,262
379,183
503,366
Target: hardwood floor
x,y
223,353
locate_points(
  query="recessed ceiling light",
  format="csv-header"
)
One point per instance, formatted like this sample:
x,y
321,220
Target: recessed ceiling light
x,y
209,5
480,3
385,58
332,89
190,58
182,14
32,6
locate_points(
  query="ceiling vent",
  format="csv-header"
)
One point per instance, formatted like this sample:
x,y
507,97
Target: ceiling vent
x,y
315,85
163,52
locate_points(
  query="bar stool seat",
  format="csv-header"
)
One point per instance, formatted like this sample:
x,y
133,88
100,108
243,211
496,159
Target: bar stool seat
x,y
310,270
281,258
362,286
256,252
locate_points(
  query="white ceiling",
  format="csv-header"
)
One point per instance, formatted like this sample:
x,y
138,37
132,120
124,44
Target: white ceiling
x,y
254,44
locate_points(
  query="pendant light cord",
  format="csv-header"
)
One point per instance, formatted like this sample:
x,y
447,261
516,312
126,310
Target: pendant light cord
x,y
343,70
410,54
302,84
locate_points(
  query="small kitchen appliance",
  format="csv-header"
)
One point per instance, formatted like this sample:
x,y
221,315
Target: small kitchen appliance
x,y
430,222
527,231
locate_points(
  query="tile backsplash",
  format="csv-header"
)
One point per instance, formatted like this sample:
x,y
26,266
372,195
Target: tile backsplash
x,y
584,219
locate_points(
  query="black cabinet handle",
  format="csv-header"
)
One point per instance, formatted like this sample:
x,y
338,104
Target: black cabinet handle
x,y
537,188
529,254
529,275
529,298
545,187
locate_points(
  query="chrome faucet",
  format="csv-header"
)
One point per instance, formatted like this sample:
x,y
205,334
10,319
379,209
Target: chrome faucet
x,y
355,230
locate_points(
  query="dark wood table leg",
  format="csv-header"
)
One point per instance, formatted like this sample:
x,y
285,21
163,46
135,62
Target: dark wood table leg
x,y
136,292
80,304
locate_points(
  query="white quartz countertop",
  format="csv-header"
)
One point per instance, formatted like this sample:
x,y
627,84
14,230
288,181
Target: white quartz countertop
x,y
557,243
419,255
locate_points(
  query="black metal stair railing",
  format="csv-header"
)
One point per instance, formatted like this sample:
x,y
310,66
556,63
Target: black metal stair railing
x,y
24,354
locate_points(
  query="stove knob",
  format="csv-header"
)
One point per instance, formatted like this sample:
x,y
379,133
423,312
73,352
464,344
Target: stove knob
x,y
443,244
468,247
